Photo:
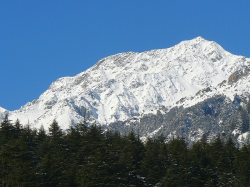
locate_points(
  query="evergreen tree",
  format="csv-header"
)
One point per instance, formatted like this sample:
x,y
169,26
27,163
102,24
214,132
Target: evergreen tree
x,y
87,156
199,162
55,132
41,151
18,160
130,160
6,130
155,162
225,166
214,154
6,159
82,127
102,166
92,171
177,174
53,163
25,160
74,143
242,165
6,147
17,129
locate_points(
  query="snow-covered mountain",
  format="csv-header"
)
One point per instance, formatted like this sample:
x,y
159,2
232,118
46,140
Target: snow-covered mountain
x,y
128,85
2,112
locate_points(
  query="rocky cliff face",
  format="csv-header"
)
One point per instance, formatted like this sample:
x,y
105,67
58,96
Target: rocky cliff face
x,y
131,85
237,75
213,117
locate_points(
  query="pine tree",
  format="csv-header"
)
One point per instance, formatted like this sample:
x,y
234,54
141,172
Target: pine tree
x,y
25,160
92,170
177,173
242,165
17,129
18,160
214,154
155,162
6,130
226,171
6,146
53,164
130,161
199,162
82,127
6,154
73,141
112,154
41,151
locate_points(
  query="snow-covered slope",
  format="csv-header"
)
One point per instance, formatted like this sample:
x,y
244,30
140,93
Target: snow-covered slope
x,y
131,84
2,112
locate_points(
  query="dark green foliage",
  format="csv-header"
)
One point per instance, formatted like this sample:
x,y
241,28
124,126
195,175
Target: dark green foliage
x,y
226,162
242,167
53,165
130,160
155,161
177,174
199,163
7,130
86,156
17,155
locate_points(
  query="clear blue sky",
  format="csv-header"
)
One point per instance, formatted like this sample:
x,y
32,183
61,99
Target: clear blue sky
x,y
41,41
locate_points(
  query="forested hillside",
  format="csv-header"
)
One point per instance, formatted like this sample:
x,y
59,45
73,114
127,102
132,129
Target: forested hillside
x,y
84,155
213,116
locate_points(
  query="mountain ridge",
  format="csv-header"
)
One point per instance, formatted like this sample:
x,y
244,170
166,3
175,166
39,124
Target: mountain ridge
x,y
131,84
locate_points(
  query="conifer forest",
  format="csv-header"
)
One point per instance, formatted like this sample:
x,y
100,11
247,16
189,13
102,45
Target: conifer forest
x,y
85,155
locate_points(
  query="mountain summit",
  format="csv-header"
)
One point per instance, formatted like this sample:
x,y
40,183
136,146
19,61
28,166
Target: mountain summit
x,y
130,84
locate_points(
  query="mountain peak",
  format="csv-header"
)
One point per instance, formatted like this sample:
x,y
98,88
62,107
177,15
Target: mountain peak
x,y
199,38
127,85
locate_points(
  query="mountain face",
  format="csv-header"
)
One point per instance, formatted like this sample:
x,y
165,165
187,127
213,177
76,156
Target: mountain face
x,y
127,87
2,112
212,117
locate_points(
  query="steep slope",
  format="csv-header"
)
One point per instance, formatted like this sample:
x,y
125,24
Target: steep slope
x,y
207,117
128,85
2,112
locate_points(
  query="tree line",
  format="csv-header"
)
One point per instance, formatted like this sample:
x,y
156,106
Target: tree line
x,y
85,155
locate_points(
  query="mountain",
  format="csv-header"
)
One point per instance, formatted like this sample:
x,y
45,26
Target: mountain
x,y
2,112
128,86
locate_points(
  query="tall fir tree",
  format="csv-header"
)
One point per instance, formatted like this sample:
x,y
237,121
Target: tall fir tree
x,y
53,164
242,166
130,160
177,174
155,162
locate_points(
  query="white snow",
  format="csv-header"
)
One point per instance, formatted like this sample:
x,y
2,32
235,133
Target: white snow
x,y
129,84
151,135
2,110
242,139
